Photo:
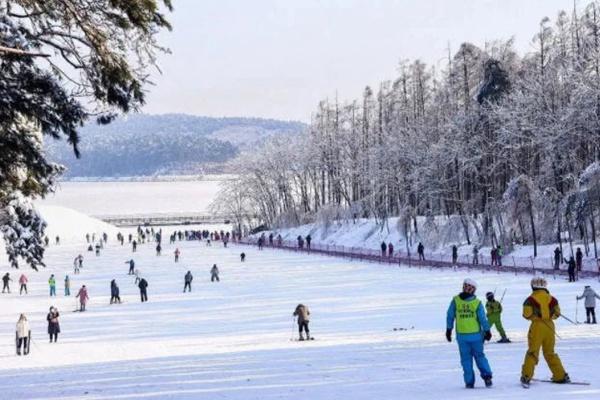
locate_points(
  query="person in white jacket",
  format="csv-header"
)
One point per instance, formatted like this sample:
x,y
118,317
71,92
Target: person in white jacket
x,y
23,335
590,297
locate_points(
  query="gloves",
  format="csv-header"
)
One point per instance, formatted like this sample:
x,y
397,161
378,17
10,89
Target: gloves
x,y
487,335
449,335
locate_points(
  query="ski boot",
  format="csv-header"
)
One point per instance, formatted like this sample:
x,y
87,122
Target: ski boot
x,y
566,379
504,339
301,338
488,381
525,382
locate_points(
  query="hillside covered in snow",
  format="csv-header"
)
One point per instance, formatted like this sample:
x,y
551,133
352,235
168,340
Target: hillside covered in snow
x,y
169,144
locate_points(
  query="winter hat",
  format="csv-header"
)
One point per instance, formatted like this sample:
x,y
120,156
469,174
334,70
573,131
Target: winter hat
x,y
489,295
539,283
469,282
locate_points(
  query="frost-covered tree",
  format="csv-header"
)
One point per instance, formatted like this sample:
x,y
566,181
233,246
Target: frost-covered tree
x,y
62,62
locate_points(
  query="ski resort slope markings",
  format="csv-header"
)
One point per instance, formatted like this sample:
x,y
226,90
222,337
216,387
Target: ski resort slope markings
x,y
231,339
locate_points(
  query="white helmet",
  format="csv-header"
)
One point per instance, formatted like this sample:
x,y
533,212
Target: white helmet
x,y
470,282
539,283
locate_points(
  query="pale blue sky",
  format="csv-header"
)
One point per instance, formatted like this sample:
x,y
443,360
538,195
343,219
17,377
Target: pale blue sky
x,y
278,58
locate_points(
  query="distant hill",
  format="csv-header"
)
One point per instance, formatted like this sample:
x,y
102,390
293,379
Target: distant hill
x,y
170,144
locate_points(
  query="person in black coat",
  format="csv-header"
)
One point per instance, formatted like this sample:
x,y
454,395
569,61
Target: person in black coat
x,y
557,257
143,285
571,268
383,249
114,292
53,325
188,281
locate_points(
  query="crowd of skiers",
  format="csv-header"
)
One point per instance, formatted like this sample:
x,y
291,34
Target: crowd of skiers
x,y
466,314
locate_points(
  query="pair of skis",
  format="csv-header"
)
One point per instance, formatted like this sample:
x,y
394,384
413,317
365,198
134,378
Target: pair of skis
x,y
526,385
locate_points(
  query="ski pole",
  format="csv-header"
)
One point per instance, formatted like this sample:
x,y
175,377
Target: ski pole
x,y
576,309
570,320
552,329
293,326
502,298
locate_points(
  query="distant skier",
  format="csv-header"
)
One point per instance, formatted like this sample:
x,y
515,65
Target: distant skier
x,y
557,258
475,255
279,241
390,249
46,241
260,242
177,254
5,280
52,285
129,237
271,239
494,316
308,240
454,254
303,317
83,298
383,249
499,254
493,253
143,285
104,237
76,265
134,246
97,249
243,257
590,297
67,286
214,273
131,266
579,260
158,249
571,268
53,325
23,282
23,335
87,237
187,279
472,329
57,240
421,251
541,309
114,292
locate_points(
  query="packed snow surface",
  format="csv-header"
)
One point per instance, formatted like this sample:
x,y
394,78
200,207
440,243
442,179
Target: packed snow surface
x,y
231,340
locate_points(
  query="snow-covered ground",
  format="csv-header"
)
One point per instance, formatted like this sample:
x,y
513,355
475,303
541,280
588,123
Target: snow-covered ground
x,y
231,340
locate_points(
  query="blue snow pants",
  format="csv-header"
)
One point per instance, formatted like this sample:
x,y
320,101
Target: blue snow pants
x,y
471,347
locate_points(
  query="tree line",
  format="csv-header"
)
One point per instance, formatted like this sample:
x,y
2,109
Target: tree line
x,y
505,143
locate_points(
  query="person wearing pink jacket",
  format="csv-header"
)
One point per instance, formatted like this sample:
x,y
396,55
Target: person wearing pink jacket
x,y
83,297
23,282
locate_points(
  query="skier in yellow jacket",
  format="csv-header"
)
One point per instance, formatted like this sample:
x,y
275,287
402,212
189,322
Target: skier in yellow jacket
x,y
541,309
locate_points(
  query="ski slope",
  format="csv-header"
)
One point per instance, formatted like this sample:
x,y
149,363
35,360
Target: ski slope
x,y
231,340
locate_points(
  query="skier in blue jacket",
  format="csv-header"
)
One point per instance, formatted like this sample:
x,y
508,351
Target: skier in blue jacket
x,y
472,328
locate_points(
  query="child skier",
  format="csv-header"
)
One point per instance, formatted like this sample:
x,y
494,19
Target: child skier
x,y
471,321
303,313
214,273
541,309
494,311
5,280
590,297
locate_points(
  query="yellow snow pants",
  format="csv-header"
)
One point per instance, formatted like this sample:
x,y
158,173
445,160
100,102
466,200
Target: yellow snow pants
x,y
541,334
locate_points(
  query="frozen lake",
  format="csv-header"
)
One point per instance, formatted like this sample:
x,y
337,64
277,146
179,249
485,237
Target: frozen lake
x,y
116,198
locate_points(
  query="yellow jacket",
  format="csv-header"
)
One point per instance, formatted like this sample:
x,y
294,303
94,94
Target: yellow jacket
x,y
541,306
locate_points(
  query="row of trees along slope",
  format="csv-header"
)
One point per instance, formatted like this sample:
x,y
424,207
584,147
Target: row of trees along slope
x,y
63,62
506,144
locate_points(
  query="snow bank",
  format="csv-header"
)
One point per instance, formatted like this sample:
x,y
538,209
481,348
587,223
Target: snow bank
x,y
438,239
